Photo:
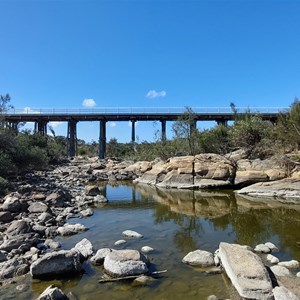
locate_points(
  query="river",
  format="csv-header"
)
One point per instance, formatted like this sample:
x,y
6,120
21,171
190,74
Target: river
x,y
174,223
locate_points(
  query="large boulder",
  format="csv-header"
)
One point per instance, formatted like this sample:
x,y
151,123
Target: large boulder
x,y
11,204
57,264
121,263
246,272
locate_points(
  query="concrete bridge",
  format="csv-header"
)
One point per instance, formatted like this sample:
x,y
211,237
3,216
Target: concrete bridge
x,y
41,118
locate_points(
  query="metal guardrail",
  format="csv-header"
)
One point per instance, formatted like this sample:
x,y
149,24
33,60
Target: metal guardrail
x,y
142,110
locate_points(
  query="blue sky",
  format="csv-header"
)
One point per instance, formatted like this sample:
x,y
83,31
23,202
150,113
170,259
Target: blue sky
x,y
56,54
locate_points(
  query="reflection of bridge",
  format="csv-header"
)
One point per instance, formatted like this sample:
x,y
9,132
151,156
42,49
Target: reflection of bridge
x,y
41,118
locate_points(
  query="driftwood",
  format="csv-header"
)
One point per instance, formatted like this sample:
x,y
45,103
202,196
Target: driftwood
x,y
108,279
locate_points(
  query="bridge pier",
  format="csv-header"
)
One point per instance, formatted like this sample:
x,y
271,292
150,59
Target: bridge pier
x,y
40,127
222,122
102,139
163,131
193,125
72,139
133,132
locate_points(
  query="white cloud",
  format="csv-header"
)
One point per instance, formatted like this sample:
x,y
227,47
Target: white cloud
x,y
28,110
55,123
154,94
112,124
88,103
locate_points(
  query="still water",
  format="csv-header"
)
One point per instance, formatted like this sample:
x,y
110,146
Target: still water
x,y
173,223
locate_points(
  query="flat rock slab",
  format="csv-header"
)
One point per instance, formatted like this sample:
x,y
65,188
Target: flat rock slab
x,y
286,188
121,263
246,272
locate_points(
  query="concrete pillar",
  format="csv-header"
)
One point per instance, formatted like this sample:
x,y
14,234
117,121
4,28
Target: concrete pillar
x,y
163,131
102,139
40,127
222,122
133,132
193,125
72,138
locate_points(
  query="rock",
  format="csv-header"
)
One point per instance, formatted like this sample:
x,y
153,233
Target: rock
x,y
87,212
199,258
6,217
298,274
38,207
120,263
91,190
19,227
212,297
70,229
38,197
52,293
59,199
147,249
132,234
13,267
244,178
262,248
246,272
292,264
286,188
25,240
3,256
272,259
280,271
45,217
282,293
100,199
12,204
98,258
119,242
85,248
52,244
272,247
56,264
143,280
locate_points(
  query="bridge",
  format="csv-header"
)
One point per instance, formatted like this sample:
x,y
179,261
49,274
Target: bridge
x,y
41,118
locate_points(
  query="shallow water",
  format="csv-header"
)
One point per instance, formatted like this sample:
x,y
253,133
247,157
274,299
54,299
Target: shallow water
x,y
173,223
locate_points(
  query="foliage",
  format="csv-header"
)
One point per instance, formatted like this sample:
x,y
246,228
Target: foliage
x,y
185,131
4,186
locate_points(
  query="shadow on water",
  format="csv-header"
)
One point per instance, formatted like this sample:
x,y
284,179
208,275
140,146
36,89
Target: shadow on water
x,y
175,222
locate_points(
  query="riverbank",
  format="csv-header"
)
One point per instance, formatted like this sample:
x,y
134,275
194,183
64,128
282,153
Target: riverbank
x,y
41,209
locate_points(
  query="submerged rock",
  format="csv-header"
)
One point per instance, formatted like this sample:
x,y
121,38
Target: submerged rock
x,y
52,293
132,234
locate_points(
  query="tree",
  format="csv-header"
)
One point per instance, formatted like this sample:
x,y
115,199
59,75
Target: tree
x,y
5,103
185,130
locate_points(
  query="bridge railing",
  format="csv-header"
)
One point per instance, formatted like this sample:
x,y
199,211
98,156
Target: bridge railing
x,y
142,110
